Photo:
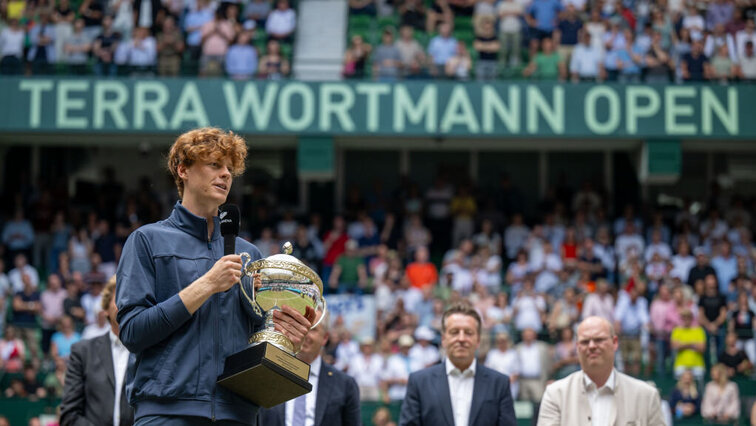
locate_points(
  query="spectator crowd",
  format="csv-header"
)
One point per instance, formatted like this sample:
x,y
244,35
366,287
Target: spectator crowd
x,y
567,40
675,281
241,40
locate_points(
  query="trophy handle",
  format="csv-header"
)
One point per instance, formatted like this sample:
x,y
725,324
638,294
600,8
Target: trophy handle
x,y
245,263
325,311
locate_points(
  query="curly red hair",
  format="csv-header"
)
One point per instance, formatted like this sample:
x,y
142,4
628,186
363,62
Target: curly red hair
x,y
206,144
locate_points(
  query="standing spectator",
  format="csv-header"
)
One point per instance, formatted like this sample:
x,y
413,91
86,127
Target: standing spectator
x,y
726,266
217,36
76,48
515,236
63,16
438,14
91,12
743,323
22,270
682,262
712,307
361,7
170,48
734,358
441,49
694,22
410,50
566,35
42,39
586,63
104,48
257,11
487,46
542,17
18,234
748,63
26,310
719,12
662,24
273,65
689,343
241,58
742,37
6,291
422,272
628,243
72,304
349,273
565,354
721,398
146,14
412,14
631,321
51,301
356,55
599,303
695,65
535,366
718,38
424,352
723,69
91,301
366,369
122,12
510,14
106,245
386,58
660,327
397,371
194,21
685,400
12,351
529,308
702,267
504,359
281,22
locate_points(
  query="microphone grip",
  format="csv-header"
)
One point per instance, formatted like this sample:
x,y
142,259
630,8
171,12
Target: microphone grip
x,y
229,245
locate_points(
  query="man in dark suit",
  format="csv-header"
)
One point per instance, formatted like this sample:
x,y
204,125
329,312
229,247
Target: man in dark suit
x,y
95,383
458,391
334,399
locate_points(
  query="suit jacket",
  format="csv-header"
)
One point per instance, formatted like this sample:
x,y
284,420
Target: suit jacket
x,y
89,391
337,402
428,400
565,402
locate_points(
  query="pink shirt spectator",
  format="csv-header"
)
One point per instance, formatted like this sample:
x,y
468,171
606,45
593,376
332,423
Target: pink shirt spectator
x,y
52,306
659,312
600,306
217,36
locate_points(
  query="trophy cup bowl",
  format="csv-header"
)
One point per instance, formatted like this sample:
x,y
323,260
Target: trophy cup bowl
x,y
270,359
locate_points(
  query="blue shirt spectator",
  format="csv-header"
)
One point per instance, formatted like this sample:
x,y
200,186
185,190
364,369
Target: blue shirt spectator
x,y
545,14
443,46
726,267
569,29
241,59
195,20
18,233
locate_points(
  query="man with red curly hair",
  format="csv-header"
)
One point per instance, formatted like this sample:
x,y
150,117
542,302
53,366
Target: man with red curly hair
x,y
178,308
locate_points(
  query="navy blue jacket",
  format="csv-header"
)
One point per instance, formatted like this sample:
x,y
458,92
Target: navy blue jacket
x,y
336,404
179,356
428,402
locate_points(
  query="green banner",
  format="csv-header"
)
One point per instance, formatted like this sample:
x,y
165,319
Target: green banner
x,y
429,109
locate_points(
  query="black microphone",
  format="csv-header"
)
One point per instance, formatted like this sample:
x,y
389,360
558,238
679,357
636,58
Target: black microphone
x,y
229,224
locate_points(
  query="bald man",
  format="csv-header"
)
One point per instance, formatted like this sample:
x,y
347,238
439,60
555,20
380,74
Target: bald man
x,y
599,395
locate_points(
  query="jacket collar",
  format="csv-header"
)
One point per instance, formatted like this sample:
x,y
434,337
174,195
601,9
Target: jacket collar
x,y
193,224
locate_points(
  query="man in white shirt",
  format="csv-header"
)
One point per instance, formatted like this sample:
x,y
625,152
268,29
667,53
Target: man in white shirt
x,y
334,399
95,391
534,366
505,360
453,392
599,395
366,369
398,369
22,267
281,22
587,61
744,36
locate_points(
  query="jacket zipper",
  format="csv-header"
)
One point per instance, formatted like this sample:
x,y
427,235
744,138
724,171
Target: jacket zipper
x,y
215,344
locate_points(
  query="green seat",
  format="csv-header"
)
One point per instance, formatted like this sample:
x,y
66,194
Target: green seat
x,y
463,23
287,50
388,21
360,21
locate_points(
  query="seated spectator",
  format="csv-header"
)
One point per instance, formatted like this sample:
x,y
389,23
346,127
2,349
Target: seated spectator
x,y
567,32
695,65
104,48
397,370
510,13
685,400
600,303
355,58
273,65
422,272
349,273
12,48
386,58
441,49
28,388
721,398
60,345
366,368
361,7
412,13
586,63
564,311
55,379
193,23
410,50
17,275
170,47
529,308
742,322
734,359
424,352
723,69
487,46
217,36
565,355
438,14
689,342
504,359
241,58
12,351
257,11
42,40
623,64
281,22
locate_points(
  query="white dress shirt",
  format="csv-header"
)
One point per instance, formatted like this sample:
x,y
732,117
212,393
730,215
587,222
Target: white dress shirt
x,y
601,400
310,398
461,384
120,362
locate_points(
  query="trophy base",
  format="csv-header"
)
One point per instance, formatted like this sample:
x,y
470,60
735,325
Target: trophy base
x,y
273,337
266,375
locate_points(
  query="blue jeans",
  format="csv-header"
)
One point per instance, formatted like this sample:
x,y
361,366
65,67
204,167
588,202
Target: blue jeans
x,y
185,421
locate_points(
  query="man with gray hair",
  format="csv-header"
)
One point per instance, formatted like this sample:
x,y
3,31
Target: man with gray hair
x,y
599,394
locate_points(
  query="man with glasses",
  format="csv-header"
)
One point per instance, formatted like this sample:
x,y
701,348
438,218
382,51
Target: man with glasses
x,y
599,394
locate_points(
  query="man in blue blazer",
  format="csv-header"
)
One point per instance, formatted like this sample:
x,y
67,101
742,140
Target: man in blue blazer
x,y
458,391
334,399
